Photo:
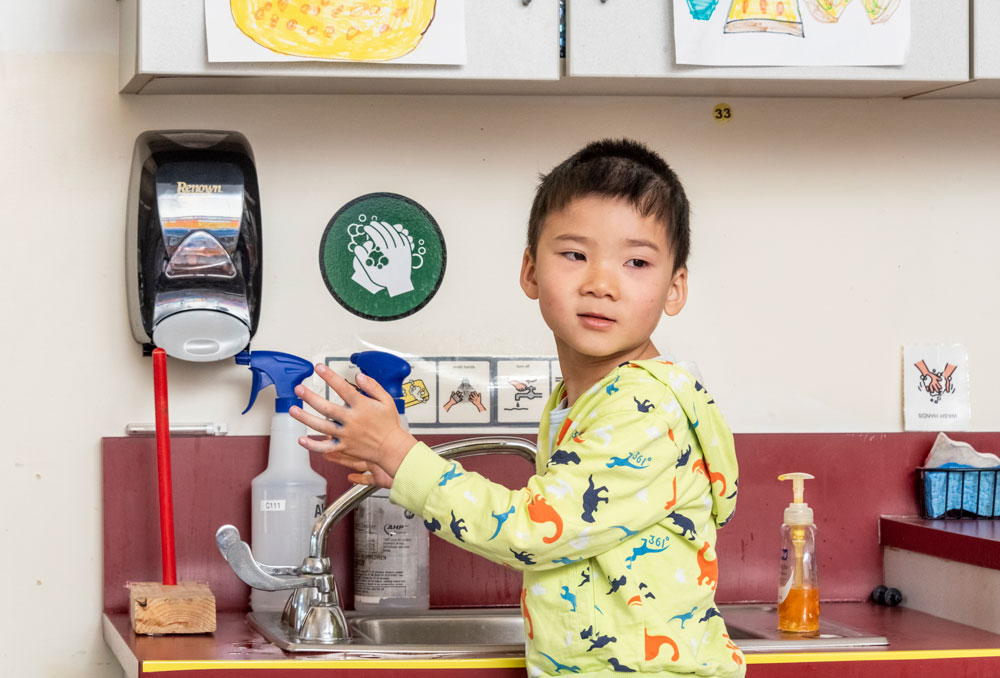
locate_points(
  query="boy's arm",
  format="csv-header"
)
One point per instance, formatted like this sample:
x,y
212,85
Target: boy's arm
x,y
610,477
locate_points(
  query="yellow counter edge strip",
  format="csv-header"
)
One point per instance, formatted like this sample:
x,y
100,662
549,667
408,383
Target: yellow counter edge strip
x,y
241,664
516,662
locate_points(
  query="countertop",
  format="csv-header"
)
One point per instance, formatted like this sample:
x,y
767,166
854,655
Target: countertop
x,y
974,542
919,644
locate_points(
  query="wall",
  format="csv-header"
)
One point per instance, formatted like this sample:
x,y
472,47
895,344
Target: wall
x,y
828,233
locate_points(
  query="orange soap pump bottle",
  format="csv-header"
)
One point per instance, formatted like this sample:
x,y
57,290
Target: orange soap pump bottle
x,y
798,588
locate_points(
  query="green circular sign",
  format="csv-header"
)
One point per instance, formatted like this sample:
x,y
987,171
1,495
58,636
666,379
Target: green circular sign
x,y
382,256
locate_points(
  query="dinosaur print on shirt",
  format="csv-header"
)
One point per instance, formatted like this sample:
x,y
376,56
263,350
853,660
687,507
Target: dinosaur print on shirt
x,y
564,457
614,533
458,527
540,511
644,550
501,518
591,498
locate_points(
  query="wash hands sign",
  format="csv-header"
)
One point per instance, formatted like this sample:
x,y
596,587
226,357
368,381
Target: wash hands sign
x,y
936,387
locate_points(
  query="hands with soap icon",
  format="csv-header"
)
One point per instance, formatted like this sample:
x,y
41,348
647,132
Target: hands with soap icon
x,y
936,383
465,393
384,256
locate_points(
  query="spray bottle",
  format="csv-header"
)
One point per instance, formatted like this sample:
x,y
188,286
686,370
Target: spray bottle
x,y
798,589
288,496
390,543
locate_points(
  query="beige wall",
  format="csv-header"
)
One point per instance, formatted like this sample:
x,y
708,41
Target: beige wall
x,y
827,233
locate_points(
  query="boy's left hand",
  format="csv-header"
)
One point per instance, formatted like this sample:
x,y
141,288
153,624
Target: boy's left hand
x,y
365,435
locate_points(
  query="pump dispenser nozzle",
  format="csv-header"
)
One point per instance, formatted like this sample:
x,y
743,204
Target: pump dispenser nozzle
x,y
798,512
284,370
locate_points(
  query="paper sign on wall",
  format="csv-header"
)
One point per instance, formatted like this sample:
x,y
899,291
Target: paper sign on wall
x,y
936,387
444,393
397,31
792,32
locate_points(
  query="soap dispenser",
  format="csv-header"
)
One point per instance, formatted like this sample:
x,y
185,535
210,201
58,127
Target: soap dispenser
x,y
390,543
193,244
798,588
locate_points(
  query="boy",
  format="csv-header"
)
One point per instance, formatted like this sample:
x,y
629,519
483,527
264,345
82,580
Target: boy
x,y
636,468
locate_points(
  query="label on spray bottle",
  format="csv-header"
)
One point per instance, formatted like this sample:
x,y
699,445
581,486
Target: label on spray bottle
x,y
390,554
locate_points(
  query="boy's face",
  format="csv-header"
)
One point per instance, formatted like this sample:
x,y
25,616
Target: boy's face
x,y
602,275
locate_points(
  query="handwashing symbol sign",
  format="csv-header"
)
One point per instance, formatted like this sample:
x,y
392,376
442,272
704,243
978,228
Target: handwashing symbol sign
x,y
936,383
385,255
382,256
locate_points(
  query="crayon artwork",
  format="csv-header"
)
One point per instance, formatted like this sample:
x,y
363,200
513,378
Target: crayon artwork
x,y
354,31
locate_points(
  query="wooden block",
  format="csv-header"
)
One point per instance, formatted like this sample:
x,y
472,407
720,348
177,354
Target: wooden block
x,y
187,607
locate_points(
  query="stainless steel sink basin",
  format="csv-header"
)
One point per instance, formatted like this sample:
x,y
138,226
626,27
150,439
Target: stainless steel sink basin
x,y
500,631
500,626
754,629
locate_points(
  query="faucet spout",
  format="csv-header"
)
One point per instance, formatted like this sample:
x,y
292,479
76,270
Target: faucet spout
x,y
313,612
457,449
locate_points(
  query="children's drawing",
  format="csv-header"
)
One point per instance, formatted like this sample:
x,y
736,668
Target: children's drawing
x,y
829,11
792,32
702,10
371,31
764,16
356,31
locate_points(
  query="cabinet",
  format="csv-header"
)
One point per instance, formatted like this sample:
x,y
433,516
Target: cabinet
x,y
985,80
613,47
632,40
163,49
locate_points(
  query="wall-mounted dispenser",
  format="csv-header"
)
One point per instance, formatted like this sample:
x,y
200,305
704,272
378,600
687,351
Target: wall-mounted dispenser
x,y
193,244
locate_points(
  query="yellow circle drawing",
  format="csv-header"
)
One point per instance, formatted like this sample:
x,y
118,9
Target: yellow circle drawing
x,y
377,30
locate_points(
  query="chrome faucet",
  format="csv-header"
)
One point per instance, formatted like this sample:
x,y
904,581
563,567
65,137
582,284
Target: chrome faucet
x,y
313,612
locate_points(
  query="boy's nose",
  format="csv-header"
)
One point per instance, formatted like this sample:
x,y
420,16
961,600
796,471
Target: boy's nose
x,y
600,282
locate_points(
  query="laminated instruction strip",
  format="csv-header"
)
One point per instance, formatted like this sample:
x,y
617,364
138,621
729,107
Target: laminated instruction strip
x,y
469,392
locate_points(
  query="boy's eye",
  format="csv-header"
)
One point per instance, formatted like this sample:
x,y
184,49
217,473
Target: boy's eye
x,y
574,256
637,263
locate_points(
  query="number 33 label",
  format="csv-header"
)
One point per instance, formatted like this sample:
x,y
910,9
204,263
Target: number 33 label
x,y
722,113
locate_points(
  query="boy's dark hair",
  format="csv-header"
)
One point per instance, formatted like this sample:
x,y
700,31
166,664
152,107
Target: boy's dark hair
x,y
623,169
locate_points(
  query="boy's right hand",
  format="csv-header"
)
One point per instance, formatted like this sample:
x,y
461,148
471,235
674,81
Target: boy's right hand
x,y
365,434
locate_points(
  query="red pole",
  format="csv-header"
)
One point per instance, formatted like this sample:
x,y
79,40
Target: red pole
x,y
163,467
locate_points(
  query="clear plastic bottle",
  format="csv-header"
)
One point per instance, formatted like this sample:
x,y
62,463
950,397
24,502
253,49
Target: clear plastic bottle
x,y
390,543
286,499
288,496
798,587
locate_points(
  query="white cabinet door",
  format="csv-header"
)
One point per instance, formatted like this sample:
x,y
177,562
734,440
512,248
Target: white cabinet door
x,y
633,39
985,83
163,49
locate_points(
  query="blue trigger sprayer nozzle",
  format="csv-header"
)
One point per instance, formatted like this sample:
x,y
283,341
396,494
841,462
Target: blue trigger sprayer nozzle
x,y
284,370
387,369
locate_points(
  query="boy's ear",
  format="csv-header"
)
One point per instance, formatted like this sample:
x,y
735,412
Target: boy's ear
x,y
529,283
678,293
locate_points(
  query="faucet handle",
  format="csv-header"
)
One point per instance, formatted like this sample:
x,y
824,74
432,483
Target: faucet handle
x,y
264,577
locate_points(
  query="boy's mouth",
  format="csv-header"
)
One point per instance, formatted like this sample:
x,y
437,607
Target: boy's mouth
x,y
595,320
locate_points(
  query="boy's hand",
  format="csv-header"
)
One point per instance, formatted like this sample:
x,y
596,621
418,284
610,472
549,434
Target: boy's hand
x,y
367,435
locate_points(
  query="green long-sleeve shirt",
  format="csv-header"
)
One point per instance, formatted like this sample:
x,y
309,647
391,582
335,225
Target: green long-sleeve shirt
x,y
615,532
